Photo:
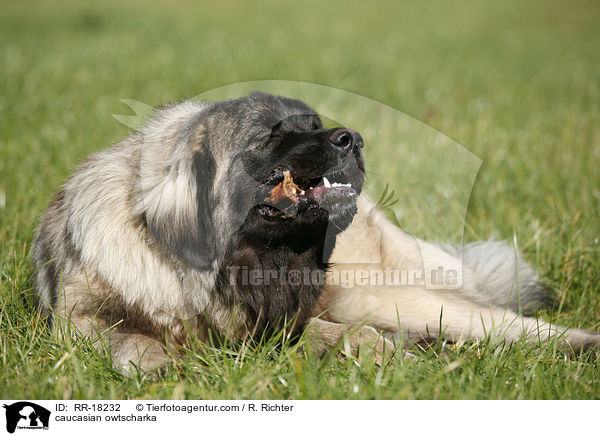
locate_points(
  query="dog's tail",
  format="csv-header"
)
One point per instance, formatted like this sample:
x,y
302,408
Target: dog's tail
x,y
503,278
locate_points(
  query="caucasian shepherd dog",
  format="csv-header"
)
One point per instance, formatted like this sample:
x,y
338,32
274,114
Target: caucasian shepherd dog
x,y
194,224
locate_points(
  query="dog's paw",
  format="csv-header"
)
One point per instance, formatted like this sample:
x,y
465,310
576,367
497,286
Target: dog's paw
x,y
367,342
138,354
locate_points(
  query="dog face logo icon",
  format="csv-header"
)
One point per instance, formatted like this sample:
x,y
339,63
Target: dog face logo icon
x,y
26,415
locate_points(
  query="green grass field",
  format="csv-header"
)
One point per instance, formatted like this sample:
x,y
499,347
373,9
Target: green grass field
x,y
518,85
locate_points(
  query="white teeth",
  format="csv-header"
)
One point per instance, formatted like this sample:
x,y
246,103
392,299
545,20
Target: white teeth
x,y
328,184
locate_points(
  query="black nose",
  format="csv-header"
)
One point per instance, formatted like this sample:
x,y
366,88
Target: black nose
x,y
346,138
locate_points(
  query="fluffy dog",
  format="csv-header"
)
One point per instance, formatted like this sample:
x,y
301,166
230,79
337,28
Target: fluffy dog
x,y
231,217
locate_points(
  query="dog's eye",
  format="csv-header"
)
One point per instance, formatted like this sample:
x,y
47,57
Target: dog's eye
x,y
262,137
277,130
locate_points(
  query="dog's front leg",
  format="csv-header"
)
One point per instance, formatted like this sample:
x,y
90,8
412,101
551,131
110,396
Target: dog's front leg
x,y
82,311
128,350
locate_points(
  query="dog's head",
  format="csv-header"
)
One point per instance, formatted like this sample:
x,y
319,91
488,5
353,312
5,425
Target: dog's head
x,y
261,165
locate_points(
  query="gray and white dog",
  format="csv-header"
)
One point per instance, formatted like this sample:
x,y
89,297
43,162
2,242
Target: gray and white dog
x,y
234,218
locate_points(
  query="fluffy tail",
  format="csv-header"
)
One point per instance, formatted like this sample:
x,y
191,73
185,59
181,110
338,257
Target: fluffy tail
x,y
503,278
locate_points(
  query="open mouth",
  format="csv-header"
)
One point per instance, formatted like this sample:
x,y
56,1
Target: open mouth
x,y
284,195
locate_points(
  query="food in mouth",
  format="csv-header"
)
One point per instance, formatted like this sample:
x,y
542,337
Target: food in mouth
x,y
290,195
287,189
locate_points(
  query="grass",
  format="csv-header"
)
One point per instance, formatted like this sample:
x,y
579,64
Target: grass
x,y
518,85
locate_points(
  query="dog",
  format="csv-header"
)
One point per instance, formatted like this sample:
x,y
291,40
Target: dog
x,y
194,225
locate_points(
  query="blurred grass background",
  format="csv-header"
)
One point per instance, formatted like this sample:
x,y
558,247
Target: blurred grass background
x,y
516,83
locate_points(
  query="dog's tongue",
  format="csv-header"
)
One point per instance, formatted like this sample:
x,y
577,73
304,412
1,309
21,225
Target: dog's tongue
x,y
319,194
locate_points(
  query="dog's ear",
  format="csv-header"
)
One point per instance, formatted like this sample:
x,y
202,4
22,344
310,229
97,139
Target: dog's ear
x,y
176,178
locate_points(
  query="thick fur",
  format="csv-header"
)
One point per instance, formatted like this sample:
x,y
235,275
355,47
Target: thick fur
x,y
502,276
136,249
